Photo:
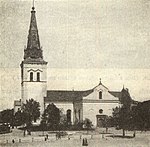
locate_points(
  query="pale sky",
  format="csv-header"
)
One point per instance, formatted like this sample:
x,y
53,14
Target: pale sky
x,y
82,40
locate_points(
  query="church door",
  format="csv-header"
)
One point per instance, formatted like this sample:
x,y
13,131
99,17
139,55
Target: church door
x,y
101,121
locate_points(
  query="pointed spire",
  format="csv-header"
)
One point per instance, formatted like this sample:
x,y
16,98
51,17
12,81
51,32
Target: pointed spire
x,y
123,89
33,49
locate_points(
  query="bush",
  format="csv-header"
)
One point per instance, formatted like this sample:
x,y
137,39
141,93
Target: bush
x,y
87,124
4,129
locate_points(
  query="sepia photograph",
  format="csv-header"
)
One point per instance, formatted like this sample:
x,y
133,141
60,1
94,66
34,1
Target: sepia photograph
x,y
74,73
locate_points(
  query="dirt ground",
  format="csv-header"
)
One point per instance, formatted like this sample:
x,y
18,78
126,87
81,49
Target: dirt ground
x,y
75,139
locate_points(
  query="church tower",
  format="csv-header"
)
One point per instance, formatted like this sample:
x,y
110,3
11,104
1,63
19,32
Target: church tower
x,y
33,67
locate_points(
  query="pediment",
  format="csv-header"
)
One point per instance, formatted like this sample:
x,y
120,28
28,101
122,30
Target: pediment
x,y
101,87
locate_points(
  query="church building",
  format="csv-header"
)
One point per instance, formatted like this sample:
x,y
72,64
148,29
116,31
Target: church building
x,y
94,104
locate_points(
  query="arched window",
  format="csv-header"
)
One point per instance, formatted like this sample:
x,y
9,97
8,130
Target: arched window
x,y
38,76
100,95
31,76
79,115
69,116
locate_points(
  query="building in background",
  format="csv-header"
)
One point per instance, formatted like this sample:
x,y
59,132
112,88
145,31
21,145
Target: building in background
x,y
94,104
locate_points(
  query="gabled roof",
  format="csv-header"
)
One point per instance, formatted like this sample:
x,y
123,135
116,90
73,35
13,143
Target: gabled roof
x,y
124,96
115,93
66,96
101,85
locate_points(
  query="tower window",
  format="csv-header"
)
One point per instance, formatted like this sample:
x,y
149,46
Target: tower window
x,y
31,76
100,95
69,116
38,76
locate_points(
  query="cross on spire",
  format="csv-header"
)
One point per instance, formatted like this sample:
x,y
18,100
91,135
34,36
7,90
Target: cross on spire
x,y
33,3
100,82
123,86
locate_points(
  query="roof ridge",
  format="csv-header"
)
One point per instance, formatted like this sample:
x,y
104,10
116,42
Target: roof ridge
x,y
70,90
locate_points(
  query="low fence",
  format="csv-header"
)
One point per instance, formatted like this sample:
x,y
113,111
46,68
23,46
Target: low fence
x,y
29,139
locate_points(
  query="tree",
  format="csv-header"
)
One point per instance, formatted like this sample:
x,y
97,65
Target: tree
x,y
115,116
107,122
142,115
125,98
87,123
51,116
7,116
63,120
30,112
18,118
32,109
122,117
43,125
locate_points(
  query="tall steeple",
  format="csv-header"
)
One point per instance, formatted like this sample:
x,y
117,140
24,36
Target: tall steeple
x,y
33,67
33,50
